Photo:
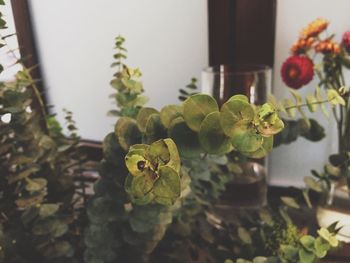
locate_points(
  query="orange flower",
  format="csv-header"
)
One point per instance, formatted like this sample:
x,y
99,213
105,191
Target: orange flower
x,y
302,45
327,47
314,28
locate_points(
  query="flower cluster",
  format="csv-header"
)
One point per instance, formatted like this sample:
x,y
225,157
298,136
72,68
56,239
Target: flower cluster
x,y
298,69
327,47
314,28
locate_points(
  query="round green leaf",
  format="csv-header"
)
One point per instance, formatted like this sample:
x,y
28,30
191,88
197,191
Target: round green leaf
x,y
196,108
167,187
144,200
175,161
136,164
47,210
140,186
164,152
265,148
267,128
112,151
158,153
233,111
154,129
321,247
169,113
308,242
306,256
143,116
35,184
212,137
239,97
289,252
186,140
329,237
127,132
245,138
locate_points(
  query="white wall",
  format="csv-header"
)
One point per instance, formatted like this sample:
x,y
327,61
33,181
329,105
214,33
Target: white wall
x,y
289,164
8,58
167,39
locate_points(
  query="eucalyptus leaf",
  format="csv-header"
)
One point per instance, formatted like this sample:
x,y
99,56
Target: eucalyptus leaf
x,y
154,129
170,113
127,132
245,137
36,184
289,201
186,140
196,108
211,136
235,110
47,210
308,242
313,184
264,149
143,117
244,235
306,256
168,186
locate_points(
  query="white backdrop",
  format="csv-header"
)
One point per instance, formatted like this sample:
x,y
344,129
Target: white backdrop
x,y
167,39
289,164
9,58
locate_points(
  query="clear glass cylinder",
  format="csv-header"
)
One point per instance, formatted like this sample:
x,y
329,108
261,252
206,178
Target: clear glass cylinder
x,y
224,81
248,189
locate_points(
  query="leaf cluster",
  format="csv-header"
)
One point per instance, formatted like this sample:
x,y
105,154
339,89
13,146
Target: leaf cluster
x,y
308,249
36,167
126,82
189,90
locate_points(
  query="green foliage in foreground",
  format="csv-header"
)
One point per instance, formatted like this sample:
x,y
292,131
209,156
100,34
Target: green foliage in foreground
x,y
36,167
143,184
196,127
163,170
308,249
145,190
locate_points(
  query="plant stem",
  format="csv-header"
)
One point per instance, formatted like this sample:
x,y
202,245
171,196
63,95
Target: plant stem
x,y
340,128
306,104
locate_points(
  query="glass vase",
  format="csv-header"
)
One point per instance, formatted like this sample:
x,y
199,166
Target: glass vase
x,y
247,189
224,81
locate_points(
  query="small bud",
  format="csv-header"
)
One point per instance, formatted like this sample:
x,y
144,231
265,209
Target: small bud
x,y
346,41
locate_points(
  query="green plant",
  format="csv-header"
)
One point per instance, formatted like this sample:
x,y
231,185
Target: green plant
x,y
148,189
307,249
191,89
327,60
37,164
129,89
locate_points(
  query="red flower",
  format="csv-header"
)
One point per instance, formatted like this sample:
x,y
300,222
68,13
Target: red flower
x,y
297,71
346,41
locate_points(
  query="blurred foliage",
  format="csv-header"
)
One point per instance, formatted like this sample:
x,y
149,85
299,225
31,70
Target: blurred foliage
x,y
189,90
305,249
305,127
129,89
293,129
37,164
